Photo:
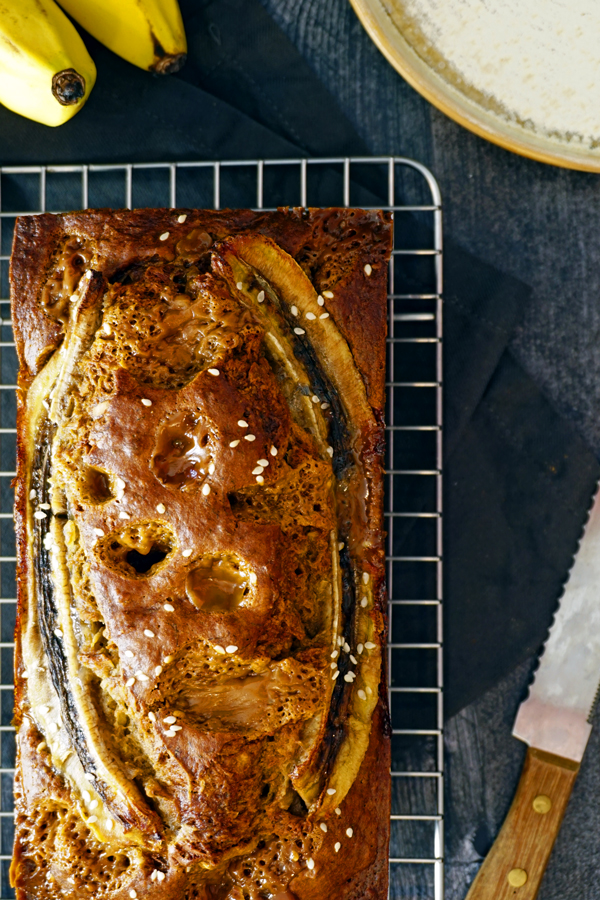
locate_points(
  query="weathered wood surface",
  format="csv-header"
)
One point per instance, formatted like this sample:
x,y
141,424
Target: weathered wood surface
x,y
540,224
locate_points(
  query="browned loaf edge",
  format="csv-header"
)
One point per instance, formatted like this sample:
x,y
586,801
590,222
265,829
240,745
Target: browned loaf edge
x,y
112,308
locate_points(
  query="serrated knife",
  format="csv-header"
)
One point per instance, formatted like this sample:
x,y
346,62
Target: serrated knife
x,y
554,721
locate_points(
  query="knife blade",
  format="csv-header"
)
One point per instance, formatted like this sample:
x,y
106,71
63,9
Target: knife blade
x,y
554,720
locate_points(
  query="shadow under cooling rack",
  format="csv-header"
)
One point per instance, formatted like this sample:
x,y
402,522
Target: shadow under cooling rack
x,y
413,457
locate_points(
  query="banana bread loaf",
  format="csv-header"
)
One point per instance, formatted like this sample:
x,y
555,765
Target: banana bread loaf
x,y
200,689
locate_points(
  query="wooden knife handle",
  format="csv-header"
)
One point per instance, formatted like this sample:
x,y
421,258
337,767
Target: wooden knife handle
x,y
517,860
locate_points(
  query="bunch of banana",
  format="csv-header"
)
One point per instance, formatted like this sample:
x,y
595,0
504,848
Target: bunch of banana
x,y
46,72
147,33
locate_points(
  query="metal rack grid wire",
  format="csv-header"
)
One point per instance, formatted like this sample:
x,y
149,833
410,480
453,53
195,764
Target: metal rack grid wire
x,y
413,505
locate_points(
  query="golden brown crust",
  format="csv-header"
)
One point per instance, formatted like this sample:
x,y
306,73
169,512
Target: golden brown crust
x,y
126,420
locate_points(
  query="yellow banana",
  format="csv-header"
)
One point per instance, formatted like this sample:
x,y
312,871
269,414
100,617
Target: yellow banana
x,y
147,33
46,73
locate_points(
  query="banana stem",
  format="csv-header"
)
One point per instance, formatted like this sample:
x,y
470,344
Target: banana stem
x,y
168,65
68,87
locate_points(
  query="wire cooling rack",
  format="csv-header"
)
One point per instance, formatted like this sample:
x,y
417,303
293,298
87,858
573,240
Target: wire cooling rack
x,y
414,452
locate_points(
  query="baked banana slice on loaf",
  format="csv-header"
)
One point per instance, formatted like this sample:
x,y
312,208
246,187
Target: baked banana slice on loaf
x,y
200,693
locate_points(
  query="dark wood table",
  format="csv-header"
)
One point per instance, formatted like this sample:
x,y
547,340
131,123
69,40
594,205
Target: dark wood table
x,y
540,224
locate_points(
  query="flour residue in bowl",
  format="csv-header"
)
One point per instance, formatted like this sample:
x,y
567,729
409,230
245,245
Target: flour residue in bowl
x,y
538,61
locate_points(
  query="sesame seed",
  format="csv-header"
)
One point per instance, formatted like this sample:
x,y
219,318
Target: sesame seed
x,y
38,514
129,653
337,847
359,648
86,796
168,607
98,532
365,577
334,654
130,682
153,876
333,665
45,506
314,398
262,462
176,728
341,545
124,515
273,451
242,423
340,640
164,236
239,285
252,578
181,219
214,372
362,694
325,405
294,855
219,649
349,677
169,733
368,270
328,294
349,832
346,647
186,553
133,894
32,494
91,821
258,470
369,691
324,316
58,632
331,791
364,602
299,331
369,645
109,824
141,676
211,468
233,443
146,402
294,310
310,316
167,660
335,674
160,876
353,660
261,296
106,328
250,437
52,727
330,451
149,633
320,301
94,804
231,648
338,811
206,489
260,479
152,717
89,776
323,827
310,863
161,508
170,720
121,485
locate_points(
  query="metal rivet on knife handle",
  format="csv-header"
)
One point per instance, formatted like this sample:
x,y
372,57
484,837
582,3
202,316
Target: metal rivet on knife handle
x,y
542,804
517,877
